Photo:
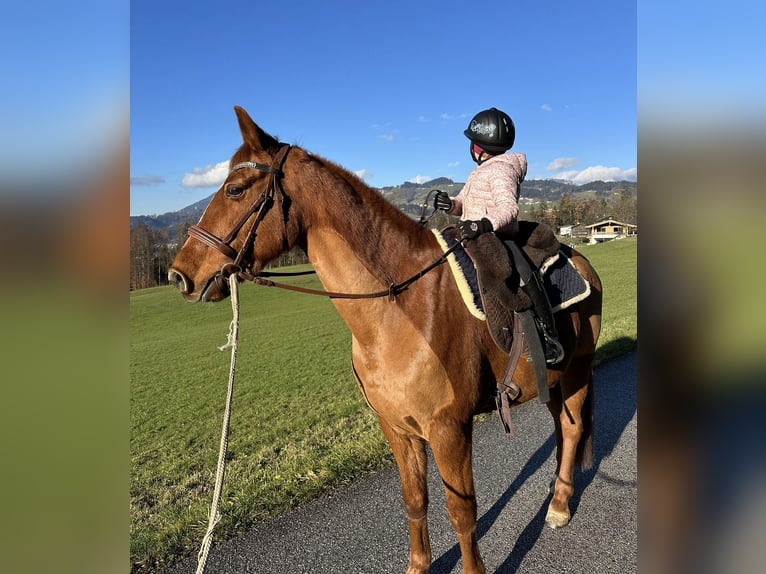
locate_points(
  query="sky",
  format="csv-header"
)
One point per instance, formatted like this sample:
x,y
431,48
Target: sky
x,y
385,88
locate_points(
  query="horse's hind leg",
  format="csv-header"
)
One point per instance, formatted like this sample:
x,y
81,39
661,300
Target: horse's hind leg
x,y
571,407
410,454
451,445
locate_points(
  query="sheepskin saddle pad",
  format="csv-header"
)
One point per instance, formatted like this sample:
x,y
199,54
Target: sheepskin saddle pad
x,y
489,285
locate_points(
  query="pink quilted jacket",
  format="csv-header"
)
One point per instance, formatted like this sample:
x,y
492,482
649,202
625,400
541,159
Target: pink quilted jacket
x,y
492,191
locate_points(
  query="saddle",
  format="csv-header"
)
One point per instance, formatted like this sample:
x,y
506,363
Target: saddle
x,y
498,281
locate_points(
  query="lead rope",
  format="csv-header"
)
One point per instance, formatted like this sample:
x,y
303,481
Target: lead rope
x,y
215,515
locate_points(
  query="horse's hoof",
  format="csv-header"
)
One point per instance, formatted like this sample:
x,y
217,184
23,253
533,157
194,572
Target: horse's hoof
x,y
556,519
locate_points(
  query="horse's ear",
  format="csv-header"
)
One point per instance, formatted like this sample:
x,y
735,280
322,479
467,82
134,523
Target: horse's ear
x,y
252,135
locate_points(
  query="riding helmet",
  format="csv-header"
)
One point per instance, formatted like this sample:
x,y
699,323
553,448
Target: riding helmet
x,y
492,130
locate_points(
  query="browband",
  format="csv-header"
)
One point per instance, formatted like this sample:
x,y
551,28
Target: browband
x,y
255,165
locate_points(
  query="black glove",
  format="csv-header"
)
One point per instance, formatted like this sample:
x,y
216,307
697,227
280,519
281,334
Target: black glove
x,y
442,201
472,229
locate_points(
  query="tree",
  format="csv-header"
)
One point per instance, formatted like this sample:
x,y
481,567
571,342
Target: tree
x,y
140,257
151,254
594,210
566,211
624,206
179,233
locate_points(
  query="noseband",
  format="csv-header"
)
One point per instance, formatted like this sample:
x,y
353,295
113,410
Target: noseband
x,y
259,208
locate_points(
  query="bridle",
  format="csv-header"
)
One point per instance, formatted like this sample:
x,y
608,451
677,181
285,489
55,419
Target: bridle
x,y
259,208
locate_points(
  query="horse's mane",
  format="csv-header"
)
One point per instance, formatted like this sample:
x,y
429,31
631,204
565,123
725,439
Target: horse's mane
x,y
381,234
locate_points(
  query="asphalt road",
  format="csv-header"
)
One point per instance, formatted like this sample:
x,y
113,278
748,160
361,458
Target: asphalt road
x,y
362,529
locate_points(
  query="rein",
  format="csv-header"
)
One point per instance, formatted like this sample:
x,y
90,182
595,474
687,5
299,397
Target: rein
x,y
426,202
393,290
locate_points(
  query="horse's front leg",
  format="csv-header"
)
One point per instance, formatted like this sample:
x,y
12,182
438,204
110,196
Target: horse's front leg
x,y
410,454
451,444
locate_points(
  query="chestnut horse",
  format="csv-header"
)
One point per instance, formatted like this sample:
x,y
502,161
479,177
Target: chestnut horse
x,y
422,361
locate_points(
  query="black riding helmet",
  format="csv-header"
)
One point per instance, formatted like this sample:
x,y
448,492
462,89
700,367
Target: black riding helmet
x,y
492,130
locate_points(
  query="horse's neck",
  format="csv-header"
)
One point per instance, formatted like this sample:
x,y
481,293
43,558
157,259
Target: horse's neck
x,y
357,241
338,265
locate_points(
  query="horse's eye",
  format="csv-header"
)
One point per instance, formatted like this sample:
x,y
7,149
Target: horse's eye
x,y
234,191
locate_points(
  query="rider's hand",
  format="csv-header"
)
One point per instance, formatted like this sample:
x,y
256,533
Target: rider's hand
x,y
470,229
442,201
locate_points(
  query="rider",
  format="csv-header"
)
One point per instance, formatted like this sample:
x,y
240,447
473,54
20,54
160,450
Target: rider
x,y
489,202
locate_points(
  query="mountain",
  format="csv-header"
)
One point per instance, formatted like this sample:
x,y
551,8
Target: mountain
x,y
172,219
409,197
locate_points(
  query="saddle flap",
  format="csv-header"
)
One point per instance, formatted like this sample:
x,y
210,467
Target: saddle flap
x,y
498,287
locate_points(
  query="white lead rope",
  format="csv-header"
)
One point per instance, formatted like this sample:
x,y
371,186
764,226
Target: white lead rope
x,y
215,515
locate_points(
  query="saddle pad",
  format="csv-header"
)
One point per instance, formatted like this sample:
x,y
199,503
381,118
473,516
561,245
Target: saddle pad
x,y
563,283
464,273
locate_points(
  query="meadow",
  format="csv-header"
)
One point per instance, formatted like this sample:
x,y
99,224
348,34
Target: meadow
x,y
299,425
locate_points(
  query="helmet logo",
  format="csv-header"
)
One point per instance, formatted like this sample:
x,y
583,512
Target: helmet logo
x,y
483,129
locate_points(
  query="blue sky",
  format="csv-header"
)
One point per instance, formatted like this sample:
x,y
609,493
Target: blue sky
x,y
383,87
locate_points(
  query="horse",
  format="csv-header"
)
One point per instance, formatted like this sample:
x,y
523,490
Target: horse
x,y
423,363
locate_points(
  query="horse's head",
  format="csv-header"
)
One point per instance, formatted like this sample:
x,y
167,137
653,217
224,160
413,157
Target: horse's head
x,y
244,226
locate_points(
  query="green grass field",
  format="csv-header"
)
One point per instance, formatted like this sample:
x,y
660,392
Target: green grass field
x,y
299,425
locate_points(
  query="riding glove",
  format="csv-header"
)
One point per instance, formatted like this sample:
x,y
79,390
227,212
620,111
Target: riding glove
x,y
472,229
442,201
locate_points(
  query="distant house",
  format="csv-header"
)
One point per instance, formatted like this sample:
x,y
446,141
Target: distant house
x,y
610,229
575,230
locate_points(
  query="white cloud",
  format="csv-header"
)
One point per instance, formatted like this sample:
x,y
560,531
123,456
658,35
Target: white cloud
x,y
546,108
598,172
208,176
363,174
422,119
386,137
446,116
453,164
562,162
420,179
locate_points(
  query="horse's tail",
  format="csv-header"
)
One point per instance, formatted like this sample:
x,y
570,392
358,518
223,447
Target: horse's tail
x,y
584,454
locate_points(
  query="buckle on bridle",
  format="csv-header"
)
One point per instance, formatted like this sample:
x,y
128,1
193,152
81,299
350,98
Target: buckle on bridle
x,y
222,277
228,269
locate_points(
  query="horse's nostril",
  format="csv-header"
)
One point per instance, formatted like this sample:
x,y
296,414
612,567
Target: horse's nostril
x,y
176,278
